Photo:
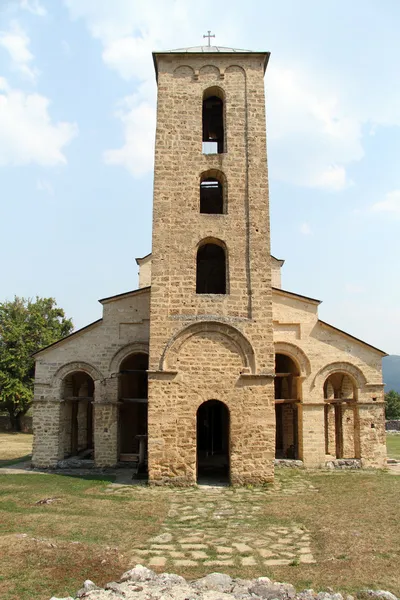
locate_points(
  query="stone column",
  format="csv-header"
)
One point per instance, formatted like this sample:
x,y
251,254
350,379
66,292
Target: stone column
x,y
311,434
348,430
331,433
105,418
48,435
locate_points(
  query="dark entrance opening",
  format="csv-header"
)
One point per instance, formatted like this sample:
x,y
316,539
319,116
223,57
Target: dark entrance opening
x,y
133,396
211,270
213,442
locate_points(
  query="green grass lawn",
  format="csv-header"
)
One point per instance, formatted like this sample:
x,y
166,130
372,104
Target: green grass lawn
x,y
88,532
393,446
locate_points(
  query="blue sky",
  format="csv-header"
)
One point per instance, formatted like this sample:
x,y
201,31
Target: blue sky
x,y
77,117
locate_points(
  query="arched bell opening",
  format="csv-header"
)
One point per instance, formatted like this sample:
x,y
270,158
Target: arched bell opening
x,y
213,456
77,393
213,194
213,121
287,397
133,413
340,416
211,267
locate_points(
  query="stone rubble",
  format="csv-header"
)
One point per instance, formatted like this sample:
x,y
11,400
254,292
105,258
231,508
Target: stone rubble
x,y
140,583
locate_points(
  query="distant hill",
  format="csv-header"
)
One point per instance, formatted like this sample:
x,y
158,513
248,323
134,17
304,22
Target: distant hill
x,y
391,372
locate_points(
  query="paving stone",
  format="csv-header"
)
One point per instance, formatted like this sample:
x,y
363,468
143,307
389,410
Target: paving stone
x,y
185,563
158,561
307,558
218,563
276,561
199,554
224,550
266,553
248,561
242,547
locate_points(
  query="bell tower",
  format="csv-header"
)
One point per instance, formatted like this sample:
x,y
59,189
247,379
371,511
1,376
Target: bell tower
x,y
211,393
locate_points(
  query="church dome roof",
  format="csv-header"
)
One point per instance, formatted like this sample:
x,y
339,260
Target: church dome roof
x,y
198,49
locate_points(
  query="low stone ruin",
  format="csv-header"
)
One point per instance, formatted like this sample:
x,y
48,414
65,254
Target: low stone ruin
x,y
141,583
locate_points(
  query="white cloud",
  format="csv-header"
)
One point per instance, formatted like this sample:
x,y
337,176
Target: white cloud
x,y
312,138
129,31
43,185
16,42
305,229
27,133
138,118
390,204
34,7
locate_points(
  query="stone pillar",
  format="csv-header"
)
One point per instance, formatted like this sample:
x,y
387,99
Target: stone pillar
x,y
311,432
82,423
331,433
371,419
348,430
105,418
48,435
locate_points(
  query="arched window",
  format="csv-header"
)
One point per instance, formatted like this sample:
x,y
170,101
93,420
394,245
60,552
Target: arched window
x,y
213,121
211,269
212,199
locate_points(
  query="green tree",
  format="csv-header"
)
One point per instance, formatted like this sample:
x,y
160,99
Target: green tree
x,y
26,326
392,402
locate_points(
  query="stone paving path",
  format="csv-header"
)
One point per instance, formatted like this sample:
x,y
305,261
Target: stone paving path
x,y
217,526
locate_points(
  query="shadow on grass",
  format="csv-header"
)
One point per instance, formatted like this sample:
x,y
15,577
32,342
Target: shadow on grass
x,y
14,461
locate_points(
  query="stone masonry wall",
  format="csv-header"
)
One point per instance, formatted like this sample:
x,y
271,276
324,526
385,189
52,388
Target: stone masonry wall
x,y
178,228
98,350
320,350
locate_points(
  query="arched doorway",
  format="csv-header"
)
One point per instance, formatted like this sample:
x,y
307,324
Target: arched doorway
x,y
287,396
133,398
340,396
213,441
78,392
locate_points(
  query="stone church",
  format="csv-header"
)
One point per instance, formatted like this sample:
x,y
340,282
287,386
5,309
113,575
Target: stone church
x,y
210,368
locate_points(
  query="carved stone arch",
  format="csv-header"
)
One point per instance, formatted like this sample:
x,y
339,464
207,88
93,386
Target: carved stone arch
x,y
235,336
214,90
73,367
354,373
122,353
209,72
235,69
217,173
184,71
296,354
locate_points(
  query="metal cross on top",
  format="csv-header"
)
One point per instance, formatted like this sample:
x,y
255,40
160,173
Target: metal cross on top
x,y
209,36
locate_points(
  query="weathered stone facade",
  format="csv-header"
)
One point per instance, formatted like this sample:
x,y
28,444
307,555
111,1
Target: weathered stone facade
x,y
251,364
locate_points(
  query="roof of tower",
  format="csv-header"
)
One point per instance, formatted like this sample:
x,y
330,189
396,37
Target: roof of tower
x,y
209,50
198,49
